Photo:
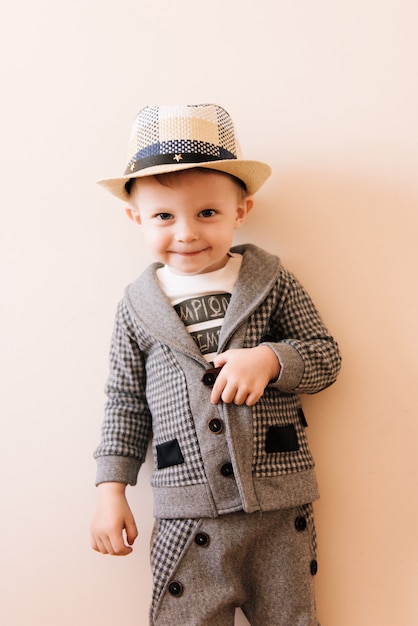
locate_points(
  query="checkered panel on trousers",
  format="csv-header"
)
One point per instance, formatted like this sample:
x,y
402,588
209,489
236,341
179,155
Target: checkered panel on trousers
x,y
169,542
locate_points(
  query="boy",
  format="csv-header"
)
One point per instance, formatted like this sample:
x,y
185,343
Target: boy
x,y
211,347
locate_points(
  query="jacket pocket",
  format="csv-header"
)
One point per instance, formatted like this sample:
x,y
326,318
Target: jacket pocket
x,y
169,454
281,439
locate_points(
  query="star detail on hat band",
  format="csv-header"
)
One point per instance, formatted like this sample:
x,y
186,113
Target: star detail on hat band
x,y
142,163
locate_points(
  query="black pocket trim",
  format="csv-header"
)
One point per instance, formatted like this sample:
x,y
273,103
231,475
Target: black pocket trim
x,y
169,454
282,439
302,418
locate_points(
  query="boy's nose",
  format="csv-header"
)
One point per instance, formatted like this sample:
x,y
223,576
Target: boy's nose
x,y
186,233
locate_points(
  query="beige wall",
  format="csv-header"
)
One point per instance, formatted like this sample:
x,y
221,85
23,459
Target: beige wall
x,y
327,93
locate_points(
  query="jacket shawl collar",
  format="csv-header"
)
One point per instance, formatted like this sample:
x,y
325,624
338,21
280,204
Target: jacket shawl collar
x,y
259,271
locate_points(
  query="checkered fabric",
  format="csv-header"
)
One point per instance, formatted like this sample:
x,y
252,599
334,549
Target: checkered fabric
x,y
170,539
155,380
288,316
261,562
128,410
205,130
165,371
167,139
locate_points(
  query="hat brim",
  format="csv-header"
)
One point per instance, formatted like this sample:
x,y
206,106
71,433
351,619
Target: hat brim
x,y
252,173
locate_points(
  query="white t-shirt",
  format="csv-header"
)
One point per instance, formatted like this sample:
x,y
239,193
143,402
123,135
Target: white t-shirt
x,y
201,301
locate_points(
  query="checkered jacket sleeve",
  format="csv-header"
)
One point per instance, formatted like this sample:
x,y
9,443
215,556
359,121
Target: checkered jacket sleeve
x,y
126,428
297,323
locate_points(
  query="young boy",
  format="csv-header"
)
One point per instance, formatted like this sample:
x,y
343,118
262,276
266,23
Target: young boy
x,y
212,347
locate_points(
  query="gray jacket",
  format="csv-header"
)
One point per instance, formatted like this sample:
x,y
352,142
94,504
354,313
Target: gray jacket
x,y
215,459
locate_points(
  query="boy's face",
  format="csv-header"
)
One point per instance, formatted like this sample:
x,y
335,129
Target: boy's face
x,y
188,223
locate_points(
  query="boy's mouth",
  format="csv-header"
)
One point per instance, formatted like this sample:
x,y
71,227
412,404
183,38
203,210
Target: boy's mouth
x,y
188,253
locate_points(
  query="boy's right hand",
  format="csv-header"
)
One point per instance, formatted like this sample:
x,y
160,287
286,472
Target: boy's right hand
x,y
113,529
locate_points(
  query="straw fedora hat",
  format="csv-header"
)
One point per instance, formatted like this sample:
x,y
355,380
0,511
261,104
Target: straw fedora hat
x,y
172,138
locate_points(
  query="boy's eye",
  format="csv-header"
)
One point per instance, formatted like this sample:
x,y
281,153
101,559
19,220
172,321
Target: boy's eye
x,y
208,212
163,216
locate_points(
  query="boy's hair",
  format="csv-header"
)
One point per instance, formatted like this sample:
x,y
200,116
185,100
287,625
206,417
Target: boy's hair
x,y
168,178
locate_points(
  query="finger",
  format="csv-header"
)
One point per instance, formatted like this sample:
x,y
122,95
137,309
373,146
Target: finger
x,y
240,396
109,544
231,394
215,396
123,551
217,390
101,546
93,544
220,359
119,547
252,398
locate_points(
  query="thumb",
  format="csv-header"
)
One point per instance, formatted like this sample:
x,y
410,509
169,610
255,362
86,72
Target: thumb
x,y
131,531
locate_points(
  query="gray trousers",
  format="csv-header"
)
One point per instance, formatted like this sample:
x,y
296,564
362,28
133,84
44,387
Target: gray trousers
x,y
261,562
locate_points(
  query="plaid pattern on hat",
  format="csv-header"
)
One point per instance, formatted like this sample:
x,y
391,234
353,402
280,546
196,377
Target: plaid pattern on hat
x,y
171,138
165,134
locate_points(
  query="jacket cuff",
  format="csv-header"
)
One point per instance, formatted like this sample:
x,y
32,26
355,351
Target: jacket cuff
x,y
291,366
117,469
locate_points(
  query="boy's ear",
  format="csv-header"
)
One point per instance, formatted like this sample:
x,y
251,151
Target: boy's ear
x,y
243,209
133,215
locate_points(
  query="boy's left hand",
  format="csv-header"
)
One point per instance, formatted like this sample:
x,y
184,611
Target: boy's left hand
x,y
245,374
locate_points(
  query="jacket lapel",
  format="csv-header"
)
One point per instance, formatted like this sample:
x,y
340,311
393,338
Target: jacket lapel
x,y
156,314
259,271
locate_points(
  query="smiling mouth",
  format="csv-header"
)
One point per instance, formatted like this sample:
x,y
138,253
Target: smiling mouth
x,y
191,252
